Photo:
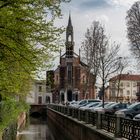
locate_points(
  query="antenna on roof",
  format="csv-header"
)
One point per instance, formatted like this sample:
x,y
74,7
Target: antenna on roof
x,y
79,54
60,55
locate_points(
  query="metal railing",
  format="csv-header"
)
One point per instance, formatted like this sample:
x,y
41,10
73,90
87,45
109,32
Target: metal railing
x,y
118,126
108,123
130,129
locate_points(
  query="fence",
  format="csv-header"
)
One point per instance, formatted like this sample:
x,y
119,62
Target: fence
x,y
120,127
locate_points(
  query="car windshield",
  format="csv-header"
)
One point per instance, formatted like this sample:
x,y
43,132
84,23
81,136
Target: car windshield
x,y
82,102
111,106
87,104
100,104
133,105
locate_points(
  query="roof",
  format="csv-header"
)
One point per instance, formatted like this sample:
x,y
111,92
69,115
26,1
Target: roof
x,y
128,77
83,64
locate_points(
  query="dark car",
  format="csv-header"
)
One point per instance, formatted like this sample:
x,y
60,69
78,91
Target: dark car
x,y
131,111
115,107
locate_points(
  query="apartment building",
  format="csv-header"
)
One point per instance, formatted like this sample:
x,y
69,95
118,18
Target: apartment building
x,y
124,87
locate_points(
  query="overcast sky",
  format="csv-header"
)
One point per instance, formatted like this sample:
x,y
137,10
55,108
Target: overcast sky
x,y
111,13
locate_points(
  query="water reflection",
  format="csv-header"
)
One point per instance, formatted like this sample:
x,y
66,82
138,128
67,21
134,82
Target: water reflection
x,y
36,130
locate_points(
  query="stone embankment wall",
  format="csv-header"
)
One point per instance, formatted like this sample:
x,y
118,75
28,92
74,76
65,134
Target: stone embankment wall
x,y
21,120
21,123
66,128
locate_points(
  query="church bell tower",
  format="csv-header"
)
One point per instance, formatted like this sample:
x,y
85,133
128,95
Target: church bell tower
x,y
69,39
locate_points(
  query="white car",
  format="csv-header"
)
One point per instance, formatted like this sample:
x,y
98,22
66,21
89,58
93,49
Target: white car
x,y
73,103
92,104
137,117
100,106
106,106
85,102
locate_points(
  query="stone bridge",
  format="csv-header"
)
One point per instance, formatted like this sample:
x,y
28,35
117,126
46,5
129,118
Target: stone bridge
x,y
37,110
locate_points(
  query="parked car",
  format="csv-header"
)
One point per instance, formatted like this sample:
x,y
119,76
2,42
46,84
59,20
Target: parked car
x,y
92,104
85,101
115,107
131,111
106,106
93,109
72,103
137,117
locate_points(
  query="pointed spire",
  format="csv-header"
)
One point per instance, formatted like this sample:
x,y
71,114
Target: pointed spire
x,y
69,22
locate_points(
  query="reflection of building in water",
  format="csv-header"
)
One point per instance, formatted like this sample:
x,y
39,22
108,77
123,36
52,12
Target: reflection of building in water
x,y
71,80
36,130
38,94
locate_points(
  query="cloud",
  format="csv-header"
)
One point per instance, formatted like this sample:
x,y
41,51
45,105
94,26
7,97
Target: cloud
x,y
125,3
89,4
103,19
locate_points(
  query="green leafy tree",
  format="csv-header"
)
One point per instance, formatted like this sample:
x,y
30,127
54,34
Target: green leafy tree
x,y
28,39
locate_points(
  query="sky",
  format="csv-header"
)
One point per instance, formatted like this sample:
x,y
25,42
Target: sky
x,y
111,13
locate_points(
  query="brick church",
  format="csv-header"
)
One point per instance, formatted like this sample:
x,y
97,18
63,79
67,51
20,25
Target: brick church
x,y
71,80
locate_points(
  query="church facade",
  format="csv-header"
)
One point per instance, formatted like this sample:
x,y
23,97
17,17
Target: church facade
x,y
71,80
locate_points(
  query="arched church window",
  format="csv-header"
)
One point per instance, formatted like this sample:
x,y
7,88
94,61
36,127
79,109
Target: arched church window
x,y
47,99
69,72
84,79
69,38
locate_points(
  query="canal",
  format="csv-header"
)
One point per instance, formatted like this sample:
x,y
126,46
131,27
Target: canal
x,y
36,129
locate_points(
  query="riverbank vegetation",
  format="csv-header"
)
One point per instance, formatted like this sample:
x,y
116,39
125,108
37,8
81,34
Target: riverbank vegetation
x,y
28,40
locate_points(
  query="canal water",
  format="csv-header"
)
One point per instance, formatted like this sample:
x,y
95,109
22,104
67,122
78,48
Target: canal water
x,y
36,129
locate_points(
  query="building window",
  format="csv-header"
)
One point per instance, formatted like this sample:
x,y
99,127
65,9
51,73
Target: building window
x,y
47,99
128,93
84,79
121,84
39,99
69,72
69,38
134,92
121,92
40,88
134,84
113,93
113,85
128,84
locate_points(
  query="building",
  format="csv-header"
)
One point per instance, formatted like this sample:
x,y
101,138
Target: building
x,y
72,81
38,94
138,91
124,87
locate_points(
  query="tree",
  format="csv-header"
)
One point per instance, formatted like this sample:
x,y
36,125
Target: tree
x,y
28,39
133,29
109,63
101,56
116,81
90,50
91,46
